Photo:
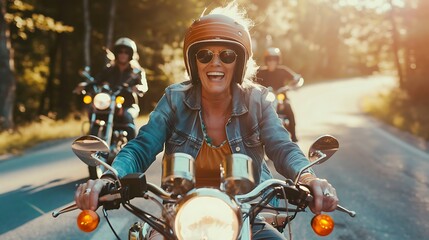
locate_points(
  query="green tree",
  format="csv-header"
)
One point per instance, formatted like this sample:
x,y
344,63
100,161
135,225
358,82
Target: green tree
x,y
307,32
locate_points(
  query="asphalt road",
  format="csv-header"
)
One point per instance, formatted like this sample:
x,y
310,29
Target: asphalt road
x,y
380,173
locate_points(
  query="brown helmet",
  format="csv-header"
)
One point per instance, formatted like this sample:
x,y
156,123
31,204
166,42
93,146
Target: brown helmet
x,y
218,29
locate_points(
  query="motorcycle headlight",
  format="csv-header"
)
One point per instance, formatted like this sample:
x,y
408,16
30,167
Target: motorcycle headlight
x,y
102,101
207,214
281,97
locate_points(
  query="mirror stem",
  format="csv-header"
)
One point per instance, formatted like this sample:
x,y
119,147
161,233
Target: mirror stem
x,y
107,166
322,156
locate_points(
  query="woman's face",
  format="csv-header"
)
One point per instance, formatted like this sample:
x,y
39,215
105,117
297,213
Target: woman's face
x,y
215,66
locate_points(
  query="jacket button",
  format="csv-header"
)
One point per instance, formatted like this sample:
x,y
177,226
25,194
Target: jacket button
x,y
237,149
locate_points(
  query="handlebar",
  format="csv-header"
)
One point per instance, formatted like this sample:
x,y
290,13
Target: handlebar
x,y
111,196
87,76
260,189
297,83
298,197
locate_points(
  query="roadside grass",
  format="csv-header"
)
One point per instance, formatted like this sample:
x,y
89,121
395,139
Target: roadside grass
x,y
44,130
31,134
395,108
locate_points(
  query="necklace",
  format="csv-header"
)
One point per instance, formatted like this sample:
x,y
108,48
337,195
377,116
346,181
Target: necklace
x,y
205,119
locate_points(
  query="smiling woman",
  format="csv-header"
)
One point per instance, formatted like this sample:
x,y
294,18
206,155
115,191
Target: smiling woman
x,y
218,112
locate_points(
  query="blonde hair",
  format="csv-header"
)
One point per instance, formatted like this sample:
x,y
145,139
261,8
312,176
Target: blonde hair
x,y
239,15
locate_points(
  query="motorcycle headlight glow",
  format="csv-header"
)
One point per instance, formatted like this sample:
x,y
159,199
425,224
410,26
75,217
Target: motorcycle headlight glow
x,y
210,214
281,97
102,101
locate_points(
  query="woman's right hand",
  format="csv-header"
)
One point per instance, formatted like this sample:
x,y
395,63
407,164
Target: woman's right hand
x,y
87,194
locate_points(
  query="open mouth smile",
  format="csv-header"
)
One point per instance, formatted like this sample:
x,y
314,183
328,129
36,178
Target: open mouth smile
x,y
215,76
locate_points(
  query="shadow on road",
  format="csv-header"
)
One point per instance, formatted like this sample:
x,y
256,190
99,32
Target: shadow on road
x,y
29,202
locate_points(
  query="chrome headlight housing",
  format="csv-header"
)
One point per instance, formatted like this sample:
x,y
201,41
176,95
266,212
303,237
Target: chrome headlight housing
x,y
207,214
102,101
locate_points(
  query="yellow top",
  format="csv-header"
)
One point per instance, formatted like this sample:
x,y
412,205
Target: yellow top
x,y
207,164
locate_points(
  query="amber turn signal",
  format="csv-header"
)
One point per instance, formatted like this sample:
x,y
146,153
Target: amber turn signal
x,y
322,224
120,100
87,220
281,97
87,99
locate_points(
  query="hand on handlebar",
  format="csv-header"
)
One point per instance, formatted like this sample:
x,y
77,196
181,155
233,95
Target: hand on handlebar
x,y
138,90
78,89
87,194
324,196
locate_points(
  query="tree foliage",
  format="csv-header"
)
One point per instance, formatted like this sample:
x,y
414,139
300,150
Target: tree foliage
x,y
319,38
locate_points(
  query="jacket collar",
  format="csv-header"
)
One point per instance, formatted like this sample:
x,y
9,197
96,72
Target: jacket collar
x,y
193,99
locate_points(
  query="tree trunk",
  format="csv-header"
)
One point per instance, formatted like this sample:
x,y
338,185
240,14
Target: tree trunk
x,y
87,35
395,45
7,80
111,25
48,93
64,95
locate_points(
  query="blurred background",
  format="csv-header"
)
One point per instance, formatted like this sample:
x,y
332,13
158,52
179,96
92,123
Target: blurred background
x,y
44,44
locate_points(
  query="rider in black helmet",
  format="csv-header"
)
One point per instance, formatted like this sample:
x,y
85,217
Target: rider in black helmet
x,y
125,68
276,76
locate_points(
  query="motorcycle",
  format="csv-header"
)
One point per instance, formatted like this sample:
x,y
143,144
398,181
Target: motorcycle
x,y
281,101
105,107
234,206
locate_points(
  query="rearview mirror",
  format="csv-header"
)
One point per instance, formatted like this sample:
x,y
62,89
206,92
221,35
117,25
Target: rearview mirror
x,y
320,151
88,147
325,145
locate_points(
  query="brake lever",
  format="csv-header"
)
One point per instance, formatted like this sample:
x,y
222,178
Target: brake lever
x,y
340,208
64,210
345,210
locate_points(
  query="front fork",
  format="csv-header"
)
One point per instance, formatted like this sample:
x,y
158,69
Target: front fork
x,y
138,231
110,118
246,229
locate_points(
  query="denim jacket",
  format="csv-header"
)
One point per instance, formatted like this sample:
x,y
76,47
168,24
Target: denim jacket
x,y
175,124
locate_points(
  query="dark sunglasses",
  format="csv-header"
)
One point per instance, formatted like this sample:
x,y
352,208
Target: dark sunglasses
x,y
226,56
272,58
126,51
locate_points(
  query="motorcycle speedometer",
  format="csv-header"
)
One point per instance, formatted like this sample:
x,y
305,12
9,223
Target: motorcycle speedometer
x,y
102,101
207,214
